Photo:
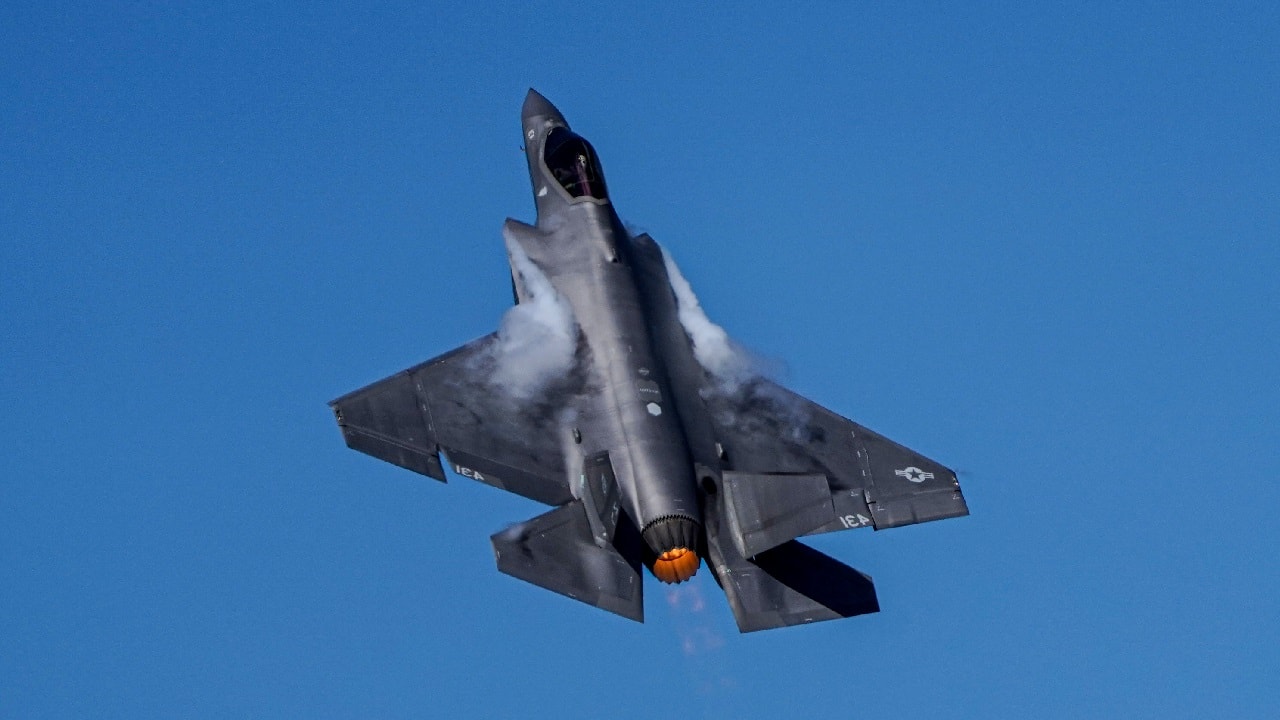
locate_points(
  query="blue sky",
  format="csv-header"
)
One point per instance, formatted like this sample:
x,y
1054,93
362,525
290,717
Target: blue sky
x,y
1032,240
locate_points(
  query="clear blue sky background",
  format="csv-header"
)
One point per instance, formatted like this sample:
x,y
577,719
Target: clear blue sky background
x,y
1037,241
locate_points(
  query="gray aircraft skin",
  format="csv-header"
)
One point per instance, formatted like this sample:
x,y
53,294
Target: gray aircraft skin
x,y
648,457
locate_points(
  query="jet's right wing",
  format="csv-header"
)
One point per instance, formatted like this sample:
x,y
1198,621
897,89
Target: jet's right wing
x,y
792,467
447,404
765,428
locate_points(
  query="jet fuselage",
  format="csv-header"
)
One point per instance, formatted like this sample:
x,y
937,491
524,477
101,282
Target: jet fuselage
x,y
588,255
608,395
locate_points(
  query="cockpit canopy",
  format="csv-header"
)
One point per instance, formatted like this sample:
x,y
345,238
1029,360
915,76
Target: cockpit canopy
x,y
573,164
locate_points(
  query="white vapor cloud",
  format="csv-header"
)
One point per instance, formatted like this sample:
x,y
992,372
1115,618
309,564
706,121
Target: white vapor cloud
x,y
753,405
538,338
729,363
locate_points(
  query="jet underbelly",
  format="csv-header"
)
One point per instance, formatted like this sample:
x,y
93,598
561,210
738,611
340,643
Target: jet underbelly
x,y
633,416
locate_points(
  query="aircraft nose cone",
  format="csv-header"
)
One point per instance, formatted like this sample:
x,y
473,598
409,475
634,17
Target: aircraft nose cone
x,y
535,105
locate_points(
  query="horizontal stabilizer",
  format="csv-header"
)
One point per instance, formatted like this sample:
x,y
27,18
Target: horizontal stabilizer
x,y
557,551
766,510
793,584
790,584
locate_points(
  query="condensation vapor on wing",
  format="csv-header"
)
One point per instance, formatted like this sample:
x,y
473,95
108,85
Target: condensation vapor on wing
x,y
739,375
537,339
727,361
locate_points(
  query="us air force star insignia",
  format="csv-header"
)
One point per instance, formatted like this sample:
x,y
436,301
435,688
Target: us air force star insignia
x,y
914,474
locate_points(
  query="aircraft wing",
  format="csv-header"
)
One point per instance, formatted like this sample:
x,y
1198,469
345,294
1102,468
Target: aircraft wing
x,y
765,428
445,404
792,467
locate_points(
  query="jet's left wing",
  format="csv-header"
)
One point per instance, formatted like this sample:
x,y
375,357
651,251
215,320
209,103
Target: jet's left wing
x,y
447,404
765,428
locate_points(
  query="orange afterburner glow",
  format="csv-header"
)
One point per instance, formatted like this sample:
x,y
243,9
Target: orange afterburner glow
x,y
676,565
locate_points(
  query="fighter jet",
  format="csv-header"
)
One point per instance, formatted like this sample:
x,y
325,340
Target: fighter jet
x,y
608,395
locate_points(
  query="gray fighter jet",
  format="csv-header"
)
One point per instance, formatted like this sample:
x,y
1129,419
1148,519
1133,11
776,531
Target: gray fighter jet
x,y
608,395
